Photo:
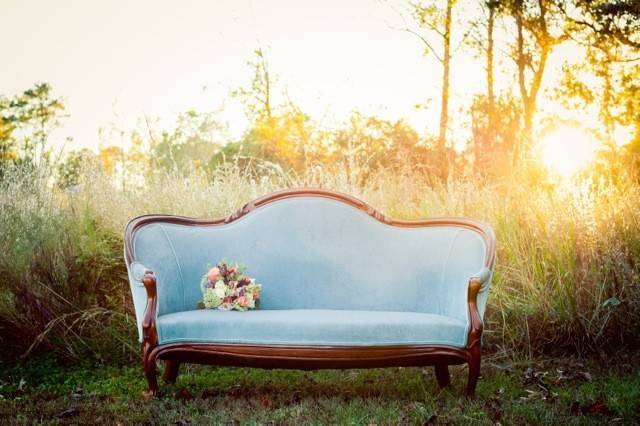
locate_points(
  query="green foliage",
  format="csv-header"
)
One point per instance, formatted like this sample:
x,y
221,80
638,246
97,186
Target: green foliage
x,y
613,19
61,275
25,123
608,31
195,140
492,145
73,166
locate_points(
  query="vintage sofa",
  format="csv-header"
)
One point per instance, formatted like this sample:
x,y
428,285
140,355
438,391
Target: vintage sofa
x,y
342,287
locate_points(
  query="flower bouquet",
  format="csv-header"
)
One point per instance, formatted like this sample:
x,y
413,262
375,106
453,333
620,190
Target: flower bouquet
x,y
226,287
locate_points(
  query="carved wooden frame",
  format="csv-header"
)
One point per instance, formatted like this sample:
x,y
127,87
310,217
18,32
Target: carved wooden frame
x,y
310,357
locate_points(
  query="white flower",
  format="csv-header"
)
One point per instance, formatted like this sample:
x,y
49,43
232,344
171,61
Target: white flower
x,y
225,307
220,289
210,299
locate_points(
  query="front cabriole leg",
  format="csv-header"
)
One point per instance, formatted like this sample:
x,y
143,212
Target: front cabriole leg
x,y
474,369
149,366
149,333
475,337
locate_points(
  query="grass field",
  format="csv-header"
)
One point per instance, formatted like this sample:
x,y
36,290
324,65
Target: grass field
x,y
565,280
554,392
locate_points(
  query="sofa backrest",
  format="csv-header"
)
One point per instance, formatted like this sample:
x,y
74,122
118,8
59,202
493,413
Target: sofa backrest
x,y
318,251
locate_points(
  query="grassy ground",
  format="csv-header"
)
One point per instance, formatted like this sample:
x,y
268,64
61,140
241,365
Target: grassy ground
x,y
534,392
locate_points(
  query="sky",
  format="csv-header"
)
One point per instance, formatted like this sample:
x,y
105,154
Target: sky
x,y
116,62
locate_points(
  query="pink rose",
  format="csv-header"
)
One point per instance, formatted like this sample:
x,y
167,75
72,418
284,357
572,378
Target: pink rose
x,y
233,270
242,301
213,275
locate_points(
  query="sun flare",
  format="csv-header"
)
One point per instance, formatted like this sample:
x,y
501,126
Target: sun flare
x,y
567,150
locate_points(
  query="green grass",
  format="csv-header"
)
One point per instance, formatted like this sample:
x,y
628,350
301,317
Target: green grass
x,y
533,392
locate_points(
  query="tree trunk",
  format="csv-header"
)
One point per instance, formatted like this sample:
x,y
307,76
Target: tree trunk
x,y
490,84
444,106
529,95
524,95
607,96
490,24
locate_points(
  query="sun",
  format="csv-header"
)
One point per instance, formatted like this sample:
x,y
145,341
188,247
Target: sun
x,y
567,150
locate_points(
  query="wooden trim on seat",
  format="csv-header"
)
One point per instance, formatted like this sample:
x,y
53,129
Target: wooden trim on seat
x,y
310,357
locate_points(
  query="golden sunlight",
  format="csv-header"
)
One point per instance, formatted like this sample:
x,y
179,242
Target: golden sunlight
x,y
566,150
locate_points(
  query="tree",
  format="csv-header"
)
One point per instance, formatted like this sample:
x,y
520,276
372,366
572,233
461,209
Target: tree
x,y
492,7
495,125
72,167
368,143
26,120
286,138
280,133
539,29
609,31
612,19
190,146
434,20
361,146
482,40
8,152
109,157
258,98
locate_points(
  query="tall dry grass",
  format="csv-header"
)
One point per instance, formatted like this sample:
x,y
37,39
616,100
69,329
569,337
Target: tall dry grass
x,y
566,279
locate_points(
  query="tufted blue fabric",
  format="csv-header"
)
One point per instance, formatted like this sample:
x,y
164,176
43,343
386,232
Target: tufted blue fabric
x,y
318,253
312,327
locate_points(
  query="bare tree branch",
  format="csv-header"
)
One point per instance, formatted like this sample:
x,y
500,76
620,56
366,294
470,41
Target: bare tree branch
x,y
425,41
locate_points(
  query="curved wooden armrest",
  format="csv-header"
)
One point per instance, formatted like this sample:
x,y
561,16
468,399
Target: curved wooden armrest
x,y
149,332
482,276
475,331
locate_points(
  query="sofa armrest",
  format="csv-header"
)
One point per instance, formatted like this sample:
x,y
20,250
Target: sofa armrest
x,y
149,322
144,277
138,270
478,283
482,277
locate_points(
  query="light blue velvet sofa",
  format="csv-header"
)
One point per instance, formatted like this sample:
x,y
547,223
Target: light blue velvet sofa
x,y
342,287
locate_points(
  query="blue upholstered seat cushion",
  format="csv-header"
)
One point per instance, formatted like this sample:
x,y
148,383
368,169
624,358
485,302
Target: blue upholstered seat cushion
x,y
312,327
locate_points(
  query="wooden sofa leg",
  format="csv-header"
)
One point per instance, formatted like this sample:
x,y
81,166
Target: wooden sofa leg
x,y
171,368
442,375
149,365
474,370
